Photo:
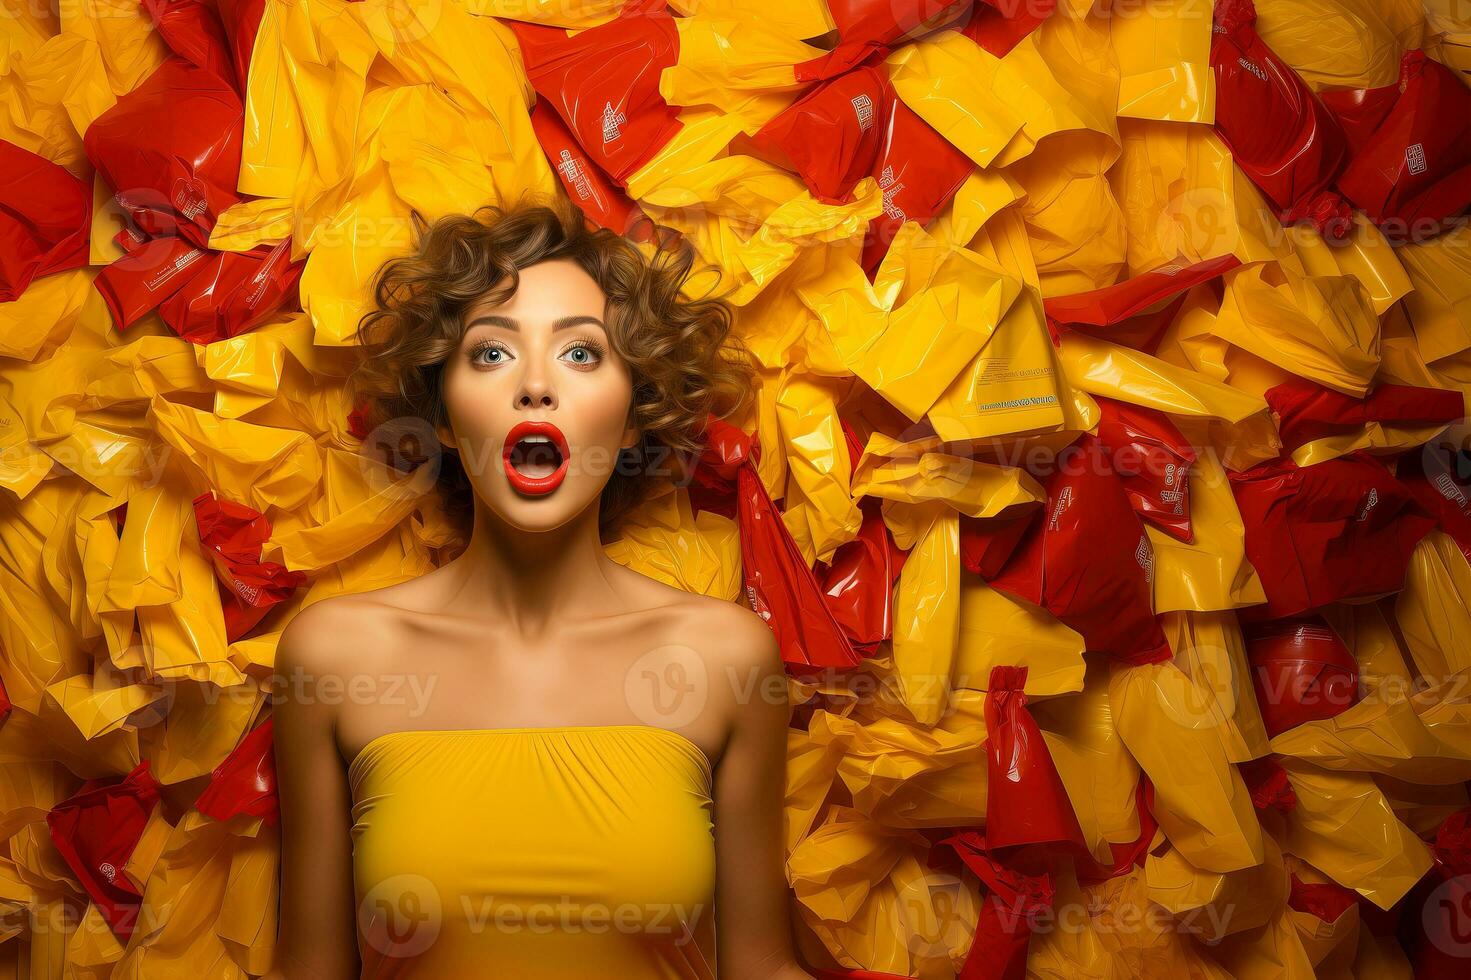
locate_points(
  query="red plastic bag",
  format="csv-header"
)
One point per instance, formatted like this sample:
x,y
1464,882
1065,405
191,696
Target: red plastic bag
x,y
1438,910
918,172
779,585
1341,529
232,535
1301,671
201,294
1129,312
1281,136
604,83
245,783
1026,803
859,582
95,830
831,136
45,219
999,25
1411,165
1307,412
170,149
1010,911
1269,785
1153,460
1326,900
1088,560
1440,479
869,29
588,187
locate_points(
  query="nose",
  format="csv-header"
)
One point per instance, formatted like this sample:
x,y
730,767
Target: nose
x,y
536,392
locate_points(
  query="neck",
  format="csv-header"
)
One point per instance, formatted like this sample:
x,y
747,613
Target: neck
x,y
535,580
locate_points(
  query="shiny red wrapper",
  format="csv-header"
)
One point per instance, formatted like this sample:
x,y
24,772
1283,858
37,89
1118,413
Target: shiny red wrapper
x,y
1301,671
832,135
859,582
987,544
1013,901
170,149
233,535
245,783
779,585
203,295
1440,479
1153,460
95,830
590,189
1307,412
1026,803
1411,165
604,84
45,219
1130,312
998,25
1437,920
1088,560
193,31
869,29
918,172
1337,530
1325,900
241,19
1269,785
1281,136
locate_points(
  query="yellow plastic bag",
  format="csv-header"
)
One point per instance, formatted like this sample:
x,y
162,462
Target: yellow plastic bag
x,y
927,313
1342,43
668,542
1164,53
1209,572
1432,610
997,630
1209,648
1324,326
1201,802
737,65
1210,905
1439,308
1343,826
819,509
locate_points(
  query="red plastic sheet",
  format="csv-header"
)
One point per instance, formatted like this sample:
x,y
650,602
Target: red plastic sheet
x,y
1301,671
590,189
1137,311
232,535
1153,460
832,135
95,830
1088,560
45,219
1341,529
1282,137
1026,803
1440,479
245,783
779,585
1307,412
604,83
1411,163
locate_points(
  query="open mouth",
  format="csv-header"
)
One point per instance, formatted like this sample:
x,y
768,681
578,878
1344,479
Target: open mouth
x,y
536,456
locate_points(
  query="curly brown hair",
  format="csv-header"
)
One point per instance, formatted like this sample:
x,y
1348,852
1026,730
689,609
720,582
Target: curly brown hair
x,y
686,363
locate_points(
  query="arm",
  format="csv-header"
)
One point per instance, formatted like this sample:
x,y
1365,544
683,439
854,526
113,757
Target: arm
x,y
318,934
753,928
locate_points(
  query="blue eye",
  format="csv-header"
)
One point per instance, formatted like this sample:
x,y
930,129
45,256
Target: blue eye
x,y
489,347
585,352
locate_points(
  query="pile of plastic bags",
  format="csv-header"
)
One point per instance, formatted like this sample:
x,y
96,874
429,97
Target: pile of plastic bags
x,y
1105,489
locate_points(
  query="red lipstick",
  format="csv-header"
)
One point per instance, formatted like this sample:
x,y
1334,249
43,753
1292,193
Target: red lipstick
x,y
534,484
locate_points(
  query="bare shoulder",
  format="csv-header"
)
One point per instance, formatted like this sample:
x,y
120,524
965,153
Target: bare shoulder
x,y
333,635
729,633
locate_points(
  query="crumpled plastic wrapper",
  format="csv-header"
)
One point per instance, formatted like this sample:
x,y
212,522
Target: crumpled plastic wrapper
x,y
1106,484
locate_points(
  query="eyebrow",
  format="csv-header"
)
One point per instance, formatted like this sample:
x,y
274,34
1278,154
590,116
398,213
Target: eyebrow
x,y
496,320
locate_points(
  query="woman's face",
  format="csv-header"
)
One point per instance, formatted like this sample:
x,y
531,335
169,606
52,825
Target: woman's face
x,y
530,375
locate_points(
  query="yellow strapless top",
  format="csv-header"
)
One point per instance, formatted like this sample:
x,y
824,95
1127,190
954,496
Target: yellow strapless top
x,y
522,853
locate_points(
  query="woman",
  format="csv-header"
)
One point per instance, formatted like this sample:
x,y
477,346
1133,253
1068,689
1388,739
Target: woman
x,y
533,761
